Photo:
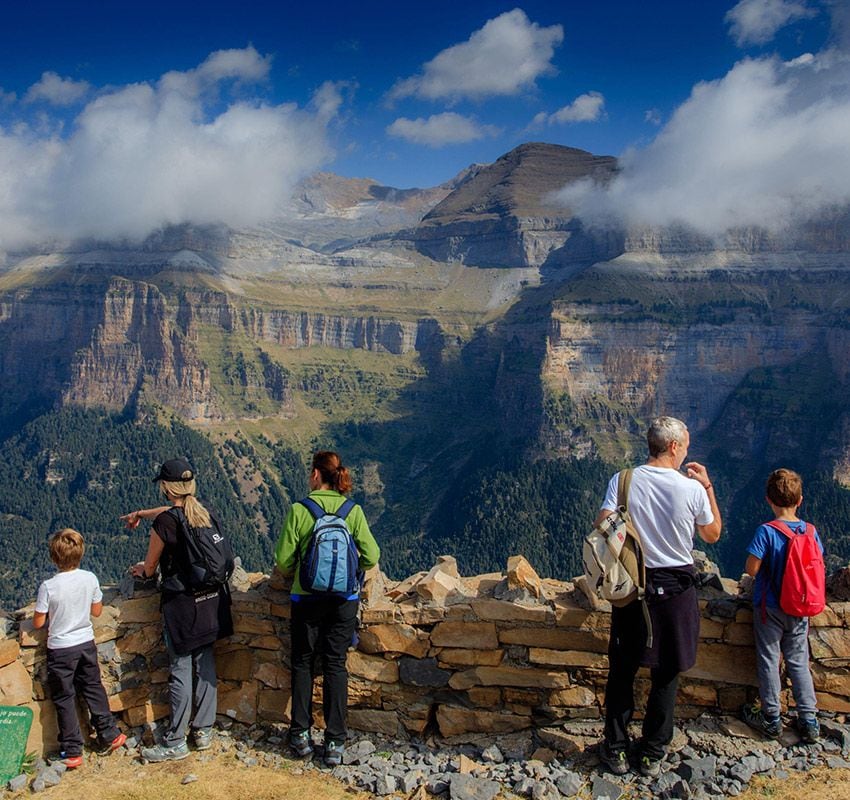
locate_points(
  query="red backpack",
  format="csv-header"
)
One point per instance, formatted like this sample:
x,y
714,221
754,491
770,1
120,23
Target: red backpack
x,y
803,592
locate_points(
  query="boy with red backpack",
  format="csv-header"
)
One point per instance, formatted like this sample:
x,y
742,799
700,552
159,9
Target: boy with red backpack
x,y
786,559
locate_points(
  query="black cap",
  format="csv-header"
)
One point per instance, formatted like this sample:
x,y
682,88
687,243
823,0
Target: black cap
x,y
177,469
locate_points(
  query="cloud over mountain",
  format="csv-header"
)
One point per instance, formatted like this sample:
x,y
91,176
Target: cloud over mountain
x,y
767,144
439,130
504,57
587,107
758,21
194,146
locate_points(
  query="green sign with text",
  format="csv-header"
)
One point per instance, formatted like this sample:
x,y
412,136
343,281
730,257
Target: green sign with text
x,y
15,724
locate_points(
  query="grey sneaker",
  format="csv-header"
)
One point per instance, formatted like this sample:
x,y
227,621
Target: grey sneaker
x,y
333,753
202,737
615,761
164,752
809,730
301,744
755,718
650,767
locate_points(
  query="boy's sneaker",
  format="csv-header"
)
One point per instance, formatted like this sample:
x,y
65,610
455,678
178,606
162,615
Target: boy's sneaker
x,y
117,742
164,752
333,753
809,730
615,761
754,717
71,762
202,738
650,767
301,744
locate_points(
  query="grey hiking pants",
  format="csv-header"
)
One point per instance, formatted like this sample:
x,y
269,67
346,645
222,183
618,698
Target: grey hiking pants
x,y
200,664
776,632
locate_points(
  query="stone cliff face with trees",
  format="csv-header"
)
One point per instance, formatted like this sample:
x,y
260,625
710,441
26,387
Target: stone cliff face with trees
x,y
480,357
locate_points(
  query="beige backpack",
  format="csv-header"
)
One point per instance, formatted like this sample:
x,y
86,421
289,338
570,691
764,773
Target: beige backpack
x,y
612,555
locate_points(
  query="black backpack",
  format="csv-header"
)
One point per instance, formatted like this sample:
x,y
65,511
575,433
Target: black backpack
x,y
208,556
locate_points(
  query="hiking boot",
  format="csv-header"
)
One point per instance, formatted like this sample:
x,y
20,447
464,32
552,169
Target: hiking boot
x,y
615,761
301,744
164,752
809,730
202,738
754,717
333,753
111,747
650,767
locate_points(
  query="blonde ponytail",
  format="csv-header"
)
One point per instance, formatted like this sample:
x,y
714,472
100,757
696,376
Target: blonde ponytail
x,y
196,514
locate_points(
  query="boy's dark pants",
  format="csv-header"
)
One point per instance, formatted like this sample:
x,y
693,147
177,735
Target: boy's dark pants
x,y
73,670
322,629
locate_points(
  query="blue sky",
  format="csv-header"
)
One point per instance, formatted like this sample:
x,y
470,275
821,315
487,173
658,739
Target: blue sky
x,y
406,93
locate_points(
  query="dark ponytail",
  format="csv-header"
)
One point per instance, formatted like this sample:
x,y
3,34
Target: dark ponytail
x,y
333,473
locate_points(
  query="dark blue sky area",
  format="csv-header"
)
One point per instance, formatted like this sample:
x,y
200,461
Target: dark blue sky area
x,y
642,58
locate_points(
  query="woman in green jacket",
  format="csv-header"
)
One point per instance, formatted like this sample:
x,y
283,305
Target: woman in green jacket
x,y
322,624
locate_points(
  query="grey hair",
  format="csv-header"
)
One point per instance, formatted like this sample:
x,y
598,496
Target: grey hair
x,y
663,431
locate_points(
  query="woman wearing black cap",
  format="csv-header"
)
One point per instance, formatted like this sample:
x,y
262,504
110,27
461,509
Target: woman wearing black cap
x,y
192,620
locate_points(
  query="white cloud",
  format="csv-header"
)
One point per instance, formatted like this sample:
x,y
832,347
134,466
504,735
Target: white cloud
x,y
766,145
7,97
652,116
56,90
440,130
504,57
757,21
587,107
146,155
329,98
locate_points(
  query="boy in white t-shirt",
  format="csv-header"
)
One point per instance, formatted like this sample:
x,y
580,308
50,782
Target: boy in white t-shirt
x,y
65,603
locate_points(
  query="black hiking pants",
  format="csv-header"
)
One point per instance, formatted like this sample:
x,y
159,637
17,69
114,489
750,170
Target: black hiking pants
x,y
625,652
322,630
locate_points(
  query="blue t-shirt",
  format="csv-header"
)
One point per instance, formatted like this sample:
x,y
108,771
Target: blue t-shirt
x,y
771,547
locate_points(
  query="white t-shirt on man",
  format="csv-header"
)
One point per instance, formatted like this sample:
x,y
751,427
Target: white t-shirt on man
x,y
664,506
67,599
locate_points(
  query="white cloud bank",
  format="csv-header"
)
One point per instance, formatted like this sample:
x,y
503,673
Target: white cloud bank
x,y
758,21
440,130
146,155
766,145
585,108
504,57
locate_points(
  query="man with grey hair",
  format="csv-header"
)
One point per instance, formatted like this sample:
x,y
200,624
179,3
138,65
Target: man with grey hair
x,y
666,507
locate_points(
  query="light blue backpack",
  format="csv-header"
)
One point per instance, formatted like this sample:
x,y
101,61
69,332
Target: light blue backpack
x,y
330,562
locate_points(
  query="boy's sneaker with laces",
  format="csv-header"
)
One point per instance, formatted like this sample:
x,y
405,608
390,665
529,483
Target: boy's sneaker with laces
x,y
71,762
164,752
754,717
112,746
615,761
202,738
333,753
809,730
301,744
650,767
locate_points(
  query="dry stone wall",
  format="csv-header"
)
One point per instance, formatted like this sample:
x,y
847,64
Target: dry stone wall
x,y
437,653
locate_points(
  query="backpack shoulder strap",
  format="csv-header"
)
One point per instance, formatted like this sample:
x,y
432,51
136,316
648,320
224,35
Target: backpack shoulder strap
x,y
313,507
779,525
625,481
345,509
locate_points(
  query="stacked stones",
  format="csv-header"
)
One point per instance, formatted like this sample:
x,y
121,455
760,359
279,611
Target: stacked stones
x,y
438,654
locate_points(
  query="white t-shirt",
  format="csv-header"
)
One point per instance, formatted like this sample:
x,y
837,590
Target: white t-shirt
x,y
67,598
664,506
